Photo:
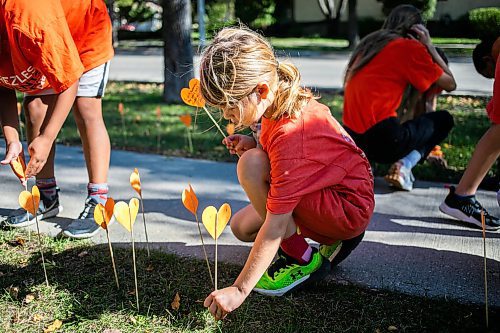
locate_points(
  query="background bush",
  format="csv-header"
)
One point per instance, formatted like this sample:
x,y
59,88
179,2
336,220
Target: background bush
x,y
485,22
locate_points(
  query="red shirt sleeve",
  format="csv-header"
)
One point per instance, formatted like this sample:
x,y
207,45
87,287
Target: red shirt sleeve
x,y
421,71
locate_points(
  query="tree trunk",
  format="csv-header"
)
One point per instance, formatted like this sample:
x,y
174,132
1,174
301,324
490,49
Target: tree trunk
x,y
178,50
353,33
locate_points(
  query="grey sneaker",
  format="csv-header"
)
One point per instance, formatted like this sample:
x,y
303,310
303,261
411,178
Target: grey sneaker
x,y
49,207
84,226
400,177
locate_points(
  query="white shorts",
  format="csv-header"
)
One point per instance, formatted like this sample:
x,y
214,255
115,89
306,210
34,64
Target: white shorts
x,y
91,84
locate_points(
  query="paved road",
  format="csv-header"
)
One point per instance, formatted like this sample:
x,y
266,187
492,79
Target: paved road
x,y
319,70
409,246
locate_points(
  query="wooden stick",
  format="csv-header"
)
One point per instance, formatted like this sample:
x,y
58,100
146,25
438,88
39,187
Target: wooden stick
x,y
124,132
133,258
158,138
204,250
27,213
485,271
40,245
215,122
190,142
110,250
144,221
216,255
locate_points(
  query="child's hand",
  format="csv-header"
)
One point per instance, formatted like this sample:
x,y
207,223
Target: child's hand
x,y
238,143
13,150
39,151
223,301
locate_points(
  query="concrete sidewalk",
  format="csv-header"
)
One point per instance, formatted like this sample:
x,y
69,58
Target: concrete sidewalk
x,y
409,247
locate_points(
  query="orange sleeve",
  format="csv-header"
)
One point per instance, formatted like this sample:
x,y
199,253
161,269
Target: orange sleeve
x,y
421,70
54,54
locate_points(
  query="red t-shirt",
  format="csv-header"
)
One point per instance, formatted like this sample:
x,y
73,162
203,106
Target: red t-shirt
x,y
41,48
309,154
374,93
493,107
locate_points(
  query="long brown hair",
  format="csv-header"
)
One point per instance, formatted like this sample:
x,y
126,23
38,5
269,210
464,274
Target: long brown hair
x,y
398,24
237,60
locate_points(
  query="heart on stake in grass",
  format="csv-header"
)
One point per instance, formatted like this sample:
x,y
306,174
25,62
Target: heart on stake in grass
x,y
190,200
230,129
126,214
186,119
212,218
103,214
18,165
192,95
135,181
30,201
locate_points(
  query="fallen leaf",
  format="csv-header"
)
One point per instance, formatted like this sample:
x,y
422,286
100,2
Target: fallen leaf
x,y
111,330
37,317
53,327
149,268
29,298
132,320
131,292
176,303
14,292
83,254
392,328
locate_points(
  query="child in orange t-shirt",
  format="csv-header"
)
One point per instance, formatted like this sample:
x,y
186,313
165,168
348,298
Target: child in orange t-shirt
x,y
381,67
308,176
461,202
53,51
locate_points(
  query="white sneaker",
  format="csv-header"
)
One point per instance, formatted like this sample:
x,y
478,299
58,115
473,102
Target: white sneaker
x,y
400,177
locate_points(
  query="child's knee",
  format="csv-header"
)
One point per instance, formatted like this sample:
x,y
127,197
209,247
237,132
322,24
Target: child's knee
x,y
88,110
35,110
253,166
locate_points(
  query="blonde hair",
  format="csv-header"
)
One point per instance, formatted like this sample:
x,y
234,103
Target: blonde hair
x,y
237,60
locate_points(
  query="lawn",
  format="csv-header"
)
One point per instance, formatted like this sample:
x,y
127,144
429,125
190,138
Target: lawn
x,y
143,129
83,298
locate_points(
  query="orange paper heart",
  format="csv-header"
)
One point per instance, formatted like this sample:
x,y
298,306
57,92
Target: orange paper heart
x,y
192,95
103,214
121,109
158,113
135,181
186,119
230,129
18,165
190,200
212,218
126,214
30,201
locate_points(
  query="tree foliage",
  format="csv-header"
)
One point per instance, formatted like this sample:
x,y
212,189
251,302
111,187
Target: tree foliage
x,y
485,21
134,10
428,7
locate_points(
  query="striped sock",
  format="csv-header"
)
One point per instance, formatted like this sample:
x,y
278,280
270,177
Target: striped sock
x,y
296,247
98,192
48,188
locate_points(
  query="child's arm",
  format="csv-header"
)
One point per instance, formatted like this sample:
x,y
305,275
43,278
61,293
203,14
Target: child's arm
x,y
221,302
10,124
40,147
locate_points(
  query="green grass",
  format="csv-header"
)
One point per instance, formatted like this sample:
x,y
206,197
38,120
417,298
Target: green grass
x,y
142,128
82,295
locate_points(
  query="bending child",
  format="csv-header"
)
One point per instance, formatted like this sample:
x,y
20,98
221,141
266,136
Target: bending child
x,y
79,37
309,180
461,202
381,67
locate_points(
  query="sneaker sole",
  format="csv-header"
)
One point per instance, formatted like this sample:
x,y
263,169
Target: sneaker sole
x,y
282,291
396,183
83,236
40,218
459,215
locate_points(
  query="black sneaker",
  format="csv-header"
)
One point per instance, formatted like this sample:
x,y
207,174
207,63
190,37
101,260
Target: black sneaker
x,y
84,226
468,210
49,207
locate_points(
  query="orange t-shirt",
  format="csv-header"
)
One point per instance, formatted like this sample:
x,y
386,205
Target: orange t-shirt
x,y
493,107
374,93
311,153
37,47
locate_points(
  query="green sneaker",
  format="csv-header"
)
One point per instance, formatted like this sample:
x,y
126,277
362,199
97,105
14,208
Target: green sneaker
x,y
329,252
286,273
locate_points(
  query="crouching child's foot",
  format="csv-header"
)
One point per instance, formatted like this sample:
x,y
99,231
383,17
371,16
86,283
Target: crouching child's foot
x,y
286,273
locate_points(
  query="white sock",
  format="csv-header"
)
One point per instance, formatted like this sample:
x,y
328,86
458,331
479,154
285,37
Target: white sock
x,y
410,160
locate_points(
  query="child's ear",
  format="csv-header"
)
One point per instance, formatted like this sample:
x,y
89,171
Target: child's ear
x,y
263,90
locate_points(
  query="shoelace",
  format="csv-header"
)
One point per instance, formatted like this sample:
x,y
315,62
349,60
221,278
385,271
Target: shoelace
x,y
279,265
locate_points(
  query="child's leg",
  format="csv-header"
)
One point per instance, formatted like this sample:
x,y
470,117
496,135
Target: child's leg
x,y
253,174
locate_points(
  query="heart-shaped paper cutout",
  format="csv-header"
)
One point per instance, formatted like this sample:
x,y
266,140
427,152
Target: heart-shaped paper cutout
x,y
190,200
121,108
158,112
211,217
192,95
230,129
135,181
18,165
186,119
103,214
126,214
30,201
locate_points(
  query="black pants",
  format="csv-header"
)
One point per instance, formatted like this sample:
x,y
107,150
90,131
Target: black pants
x,y
388,141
